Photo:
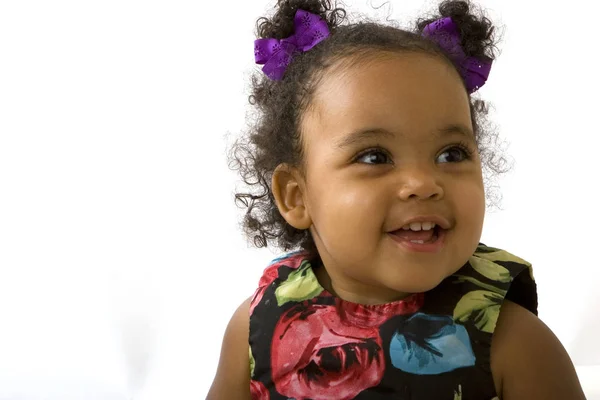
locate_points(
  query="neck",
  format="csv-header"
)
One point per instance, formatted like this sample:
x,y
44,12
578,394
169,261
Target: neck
x,y
349,289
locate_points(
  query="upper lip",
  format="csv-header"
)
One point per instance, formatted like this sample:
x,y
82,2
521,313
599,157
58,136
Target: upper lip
x,y
438,220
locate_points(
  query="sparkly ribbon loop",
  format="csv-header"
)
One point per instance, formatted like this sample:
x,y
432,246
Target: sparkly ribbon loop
x,y
277,54
474,71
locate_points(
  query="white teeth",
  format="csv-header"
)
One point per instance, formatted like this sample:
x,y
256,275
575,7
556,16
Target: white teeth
x,y
415,226
418,226
417,241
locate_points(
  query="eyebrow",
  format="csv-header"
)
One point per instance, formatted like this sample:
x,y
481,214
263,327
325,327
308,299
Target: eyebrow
x,y
369,133
361,135
456,128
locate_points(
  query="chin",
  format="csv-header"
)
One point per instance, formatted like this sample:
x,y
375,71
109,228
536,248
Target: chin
x,y
419,282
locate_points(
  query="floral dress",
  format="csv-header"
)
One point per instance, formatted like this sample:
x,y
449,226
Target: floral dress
x,y
306,343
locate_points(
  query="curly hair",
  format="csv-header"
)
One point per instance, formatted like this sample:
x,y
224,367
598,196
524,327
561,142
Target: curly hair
x,y
274,138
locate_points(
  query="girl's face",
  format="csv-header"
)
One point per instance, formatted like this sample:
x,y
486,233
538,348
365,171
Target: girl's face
x,y
387,142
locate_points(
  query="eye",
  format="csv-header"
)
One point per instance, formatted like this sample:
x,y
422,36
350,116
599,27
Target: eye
x,y
454,154
373,156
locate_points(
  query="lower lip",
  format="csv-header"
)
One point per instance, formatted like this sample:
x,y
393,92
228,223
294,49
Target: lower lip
x,y
433,247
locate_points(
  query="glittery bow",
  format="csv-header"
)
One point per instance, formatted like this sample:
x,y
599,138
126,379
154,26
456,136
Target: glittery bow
x,y
474,71
277,54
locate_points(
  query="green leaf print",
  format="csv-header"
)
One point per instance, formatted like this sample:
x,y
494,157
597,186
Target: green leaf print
x,y
491,288
485,249
480,306
300,285
490,269
252,363
458,394
501,255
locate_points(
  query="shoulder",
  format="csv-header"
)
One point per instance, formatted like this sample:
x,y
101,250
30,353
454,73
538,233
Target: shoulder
x,y
510,274
528,360
232,380
507,265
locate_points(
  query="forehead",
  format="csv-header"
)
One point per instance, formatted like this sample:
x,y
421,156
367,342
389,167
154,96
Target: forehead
x,y
410,93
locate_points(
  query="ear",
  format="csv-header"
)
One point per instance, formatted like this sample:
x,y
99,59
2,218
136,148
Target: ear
x,y
287,185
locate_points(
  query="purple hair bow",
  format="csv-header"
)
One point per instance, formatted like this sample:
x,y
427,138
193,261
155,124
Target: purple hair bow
x,y
445,33
310,30
276,54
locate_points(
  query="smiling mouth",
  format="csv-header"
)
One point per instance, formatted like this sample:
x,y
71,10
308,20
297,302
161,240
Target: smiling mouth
x,y
419,236
428,241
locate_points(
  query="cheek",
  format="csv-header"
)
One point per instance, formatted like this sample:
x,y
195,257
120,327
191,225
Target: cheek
x,y
354,199
471,205
350,210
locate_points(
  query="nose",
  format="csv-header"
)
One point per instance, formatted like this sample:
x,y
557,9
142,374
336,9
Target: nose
x,y
420,183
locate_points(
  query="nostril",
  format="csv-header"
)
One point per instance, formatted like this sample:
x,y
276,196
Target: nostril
x,y
432,196
421,189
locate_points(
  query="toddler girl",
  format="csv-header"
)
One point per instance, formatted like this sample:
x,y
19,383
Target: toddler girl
x,y
369,148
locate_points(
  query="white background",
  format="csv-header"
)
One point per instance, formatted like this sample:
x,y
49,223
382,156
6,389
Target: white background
x,y
121,260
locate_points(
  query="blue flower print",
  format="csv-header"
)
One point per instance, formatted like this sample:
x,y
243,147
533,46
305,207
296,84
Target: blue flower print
x,y
284,256
430,345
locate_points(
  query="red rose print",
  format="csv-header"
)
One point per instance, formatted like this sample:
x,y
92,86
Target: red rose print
x,y
271,273
258,295
332,360
258,391
368,316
